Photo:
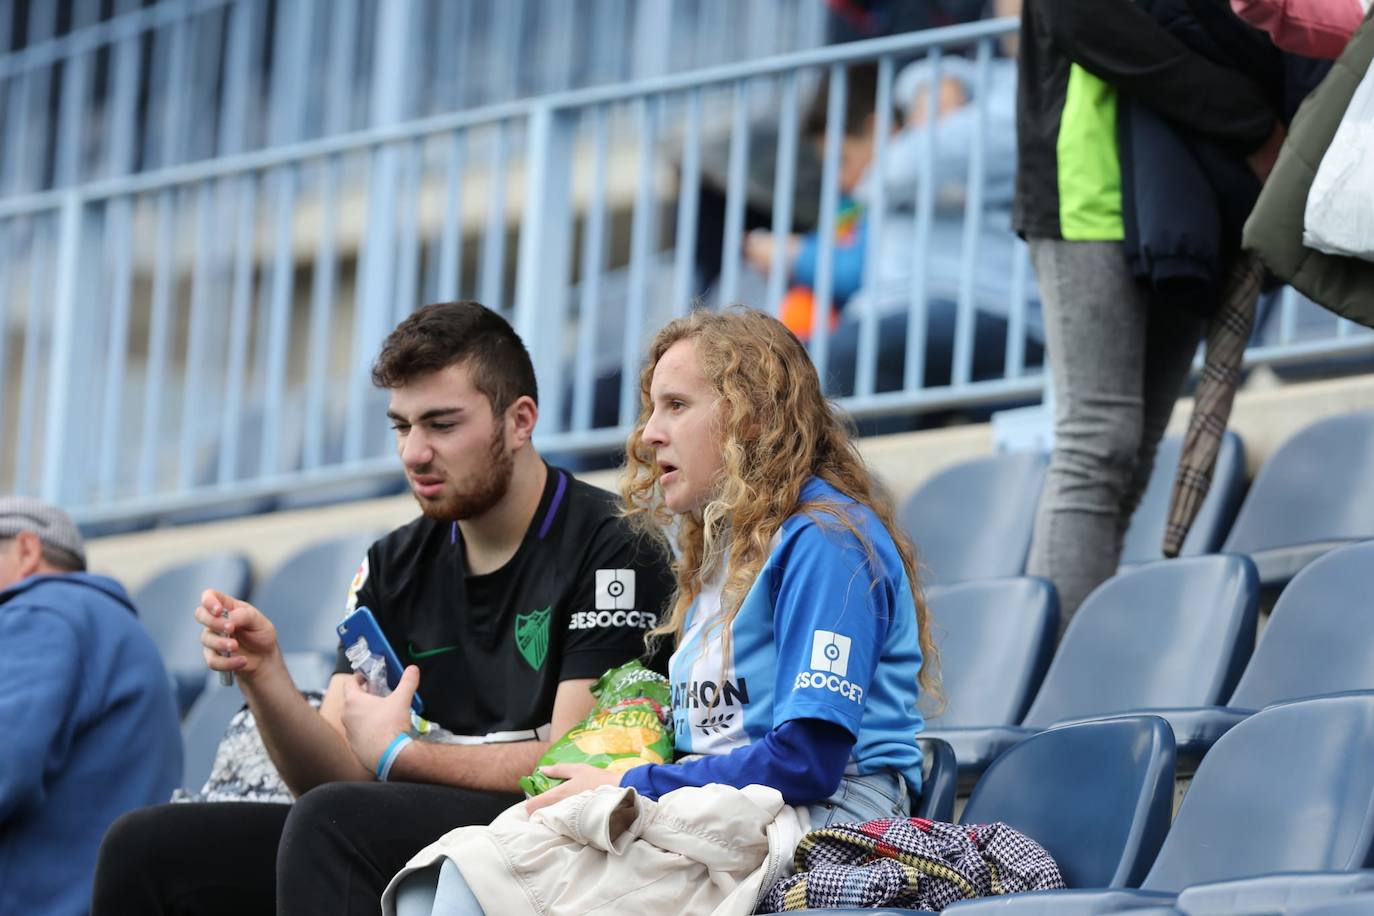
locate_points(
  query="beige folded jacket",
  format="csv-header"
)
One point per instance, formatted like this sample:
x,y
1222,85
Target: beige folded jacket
x,y
712,849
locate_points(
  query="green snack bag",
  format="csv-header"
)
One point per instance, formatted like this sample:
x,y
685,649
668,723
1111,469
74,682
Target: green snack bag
x,y
630,726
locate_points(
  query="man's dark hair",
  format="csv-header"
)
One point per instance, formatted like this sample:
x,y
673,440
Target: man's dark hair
x,y
861,85
445,334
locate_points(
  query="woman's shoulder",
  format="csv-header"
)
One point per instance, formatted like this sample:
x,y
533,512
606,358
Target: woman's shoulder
x,y
818,493
825,512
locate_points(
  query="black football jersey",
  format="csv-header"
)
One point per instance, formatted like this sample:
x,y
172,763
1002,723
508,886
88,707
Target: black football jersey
x,y
574,601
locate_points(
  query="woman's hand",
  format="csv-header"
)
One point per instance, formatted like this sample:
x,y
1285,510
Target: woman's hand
x,y
580,777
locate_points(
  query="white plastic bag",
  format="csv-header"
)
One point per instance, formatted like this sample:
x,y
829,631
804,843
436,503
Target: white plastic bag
x,y
1339,218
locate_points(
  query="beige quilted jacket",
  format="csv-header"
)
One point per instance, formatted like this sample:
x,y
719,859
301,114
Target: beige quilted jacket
x,y
708,850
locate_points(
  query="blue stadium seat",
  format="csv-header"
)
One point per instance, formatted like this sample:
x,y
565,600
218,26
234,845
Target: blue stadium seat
x,y
1318,641
166,604
939,778
1174,628
1218,510
203,729
973,520
1314,493
1289,789
1280,893
1096,795
310,670
995,639
305,596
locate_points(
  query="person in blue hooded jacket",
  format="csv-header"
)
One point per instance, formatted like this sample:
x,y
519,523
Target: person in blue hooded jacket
x,y
86,708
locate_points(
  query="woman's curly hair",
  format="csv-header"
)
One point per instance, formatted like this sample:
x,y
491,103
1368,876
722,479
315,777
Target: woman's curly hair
x,y
777,431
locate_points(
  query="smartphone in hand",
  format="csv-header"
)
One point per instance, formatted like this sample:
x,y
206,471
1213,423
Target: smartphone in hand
x,y
361,624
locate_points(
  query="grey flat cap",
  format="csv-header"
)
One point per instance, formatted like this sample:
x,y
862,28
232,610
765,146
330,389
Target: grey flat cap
x,y
54,527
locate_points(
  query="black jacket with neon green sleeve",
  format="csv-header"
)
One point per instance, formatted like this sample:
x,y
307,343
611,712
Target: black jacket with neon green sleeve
x,y
1075,56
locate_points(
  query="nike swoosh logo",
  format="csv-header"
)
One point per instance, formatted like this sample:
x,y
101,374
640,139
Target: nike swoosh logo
x,y
417,655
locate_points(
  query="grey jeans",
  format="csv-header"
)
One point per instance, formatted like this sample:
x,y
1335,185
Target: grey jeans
x,y
1118,359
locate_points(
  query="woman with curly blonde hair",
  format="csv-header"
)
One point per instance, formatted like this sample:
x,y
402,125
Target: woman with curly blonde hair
x,y
801,638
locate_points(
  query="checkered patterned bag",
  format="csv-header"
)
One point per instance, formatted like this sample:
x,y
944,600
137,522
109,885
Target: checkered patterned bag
x,y
910,862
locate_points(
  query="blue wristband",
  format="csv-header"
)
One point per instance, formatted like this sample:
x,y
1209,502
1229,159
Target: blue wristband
x,y
393,750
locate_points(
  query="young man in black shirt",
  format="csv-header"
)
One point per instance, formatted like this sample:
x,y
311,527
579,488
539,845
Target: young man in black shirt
x,y
512,593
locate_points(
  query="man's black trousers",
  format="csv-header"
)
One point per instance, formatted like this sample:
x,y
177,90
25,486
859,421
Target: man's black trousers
x,y
333,851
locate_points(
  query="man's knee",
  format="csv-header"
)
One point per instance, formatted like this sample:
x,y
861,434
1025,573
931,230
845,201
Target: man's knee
x,y
132,857
133,838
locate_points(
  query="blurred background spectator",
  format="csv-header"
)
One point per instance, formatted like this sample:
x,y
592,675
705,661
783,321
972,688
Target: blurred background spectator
x,y
86,706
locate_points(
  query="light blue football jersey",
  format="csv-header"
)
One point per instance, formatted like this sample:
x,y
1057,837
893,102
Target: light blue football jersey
x,y
819,635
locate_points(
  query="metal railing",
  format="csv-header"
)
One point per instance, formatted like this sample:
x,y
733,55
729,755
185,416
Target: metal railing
x,y
91,90
204,332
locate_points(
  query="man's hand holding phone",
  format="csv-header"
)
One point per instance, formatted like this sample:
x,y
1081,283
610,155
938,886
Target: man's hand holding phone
x,y
241,641
372,723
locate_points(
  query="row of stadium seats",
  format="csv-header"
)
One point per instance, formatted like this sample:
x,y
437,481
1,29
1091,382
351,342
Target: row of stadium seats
x,y
1159,674
1278,815
1174,638
974,520
971,522
303,597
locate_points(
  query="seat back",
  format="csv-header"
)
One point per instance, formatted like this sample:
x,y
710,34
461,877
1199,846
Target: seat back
x,y
1319,639
310,670
1288,789
1096,795
1214,517
995,639
1313,490
203,729
973,520
1170,633
305,596
939,780
166,604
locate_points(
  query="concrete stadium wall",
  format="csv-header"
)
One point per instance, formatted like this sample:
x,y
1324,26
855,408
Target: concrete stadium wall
x,y
1263,418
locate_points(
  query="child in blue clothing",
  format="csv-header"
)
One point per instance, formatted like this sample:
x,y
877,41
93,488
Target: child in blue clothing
x,y
936,122
799,629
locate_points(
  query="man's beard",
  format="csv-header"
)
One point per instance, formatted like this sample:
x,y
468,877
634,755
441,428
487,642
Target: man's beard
x,y
489,485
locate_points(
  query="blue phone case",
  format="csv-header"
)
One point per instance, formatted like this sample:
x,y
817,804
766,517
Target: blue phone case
x,y
361,623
